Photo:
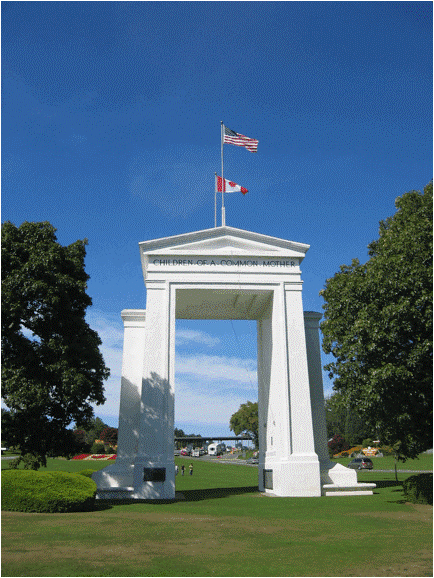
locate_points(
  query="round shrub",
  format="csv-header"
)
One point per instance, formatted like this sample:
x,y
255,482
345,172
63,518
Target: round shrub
x,y
87,473
97,449
418,489
30,491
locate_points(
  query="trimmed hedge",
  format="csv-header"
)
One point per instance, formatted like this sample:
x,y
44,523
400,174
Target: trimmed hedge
x,y
87,473
418,489
30,491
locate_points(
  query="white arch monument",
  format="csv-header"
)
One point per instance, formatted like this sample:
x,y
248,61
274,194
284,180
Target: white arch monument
x,y
225,273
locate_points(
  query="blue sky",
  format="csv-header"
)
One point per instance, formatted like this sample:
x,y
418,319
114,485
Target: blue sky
x,y
111,131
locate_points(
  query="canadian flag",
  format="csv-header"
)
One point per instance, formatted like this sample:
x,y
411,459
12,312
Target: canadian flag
x,y
229,186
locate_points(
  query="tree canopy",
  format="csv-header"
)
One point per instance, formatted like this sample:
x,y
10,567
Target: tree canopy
x,y
94,429
345,421
109,435
378,326
245,420
52,368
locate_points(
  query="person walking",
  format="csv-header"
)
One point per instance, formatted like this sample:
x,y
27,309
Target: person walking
x,y
190,467
182,469
176,470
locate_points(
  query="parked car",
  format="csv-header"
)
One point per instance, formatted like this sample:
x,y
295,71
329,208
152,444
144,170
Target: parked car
x,y
252,461
184,453
361,464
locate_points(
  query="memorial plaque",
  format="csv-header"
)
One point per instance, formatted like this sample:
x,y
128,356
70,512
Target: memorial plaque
x,y
154,474
268,479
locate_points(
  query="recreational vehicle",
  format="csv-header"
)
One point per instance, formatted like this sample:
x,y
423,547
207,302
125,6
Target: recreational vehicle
x,y
216,449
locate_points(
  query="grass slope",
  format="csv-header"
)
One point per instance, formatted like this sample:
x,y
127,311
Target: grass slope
x,y
224,527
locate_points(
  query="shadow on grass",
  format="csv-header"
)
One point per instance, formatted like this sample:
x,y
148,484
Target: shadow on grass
x,y
212,493
184,496
386,483
100,505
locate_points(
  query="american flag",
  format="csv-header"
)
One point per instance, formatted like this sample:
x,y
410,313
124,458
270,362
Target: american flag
x,y
232,137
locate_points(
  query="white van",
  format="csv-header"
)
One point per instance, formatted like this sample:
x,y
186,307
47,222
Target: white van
x,y
216,449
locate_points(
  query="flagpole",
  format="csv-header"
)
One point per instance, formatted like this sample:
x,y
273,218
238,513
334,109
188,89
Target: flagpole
x,y
223,181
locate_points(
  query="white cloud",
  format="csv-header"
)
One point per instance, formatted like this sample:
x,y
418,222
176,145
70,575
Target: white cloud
x,y
111,333
185,336
207,406
217,369
208,388
109,328
112,388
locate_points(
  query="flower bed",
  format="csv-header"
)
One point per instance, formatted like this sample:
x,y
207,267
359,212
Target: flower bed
x,y
349,452
95,457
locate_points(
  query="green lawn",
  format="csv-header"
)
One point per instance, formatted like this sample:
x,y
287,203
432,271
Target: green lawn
x,y
422,462
224,527
63,465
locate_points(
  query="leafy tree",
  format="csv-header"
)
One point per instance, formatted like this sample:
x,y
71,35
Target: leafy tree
x,y
109,435
378,326
245,420
94,429
97,448
338,444
335,414
80,438
344,420
178,433
52,367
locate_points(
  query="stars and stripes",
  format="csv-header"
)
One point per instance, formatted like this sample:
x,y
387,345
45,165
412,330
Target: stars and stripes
x,y
232,137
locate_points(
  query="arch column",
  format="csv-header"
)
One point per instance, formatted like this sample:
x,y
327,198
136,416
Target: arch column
x,y
120,474
288,464
154,468
311,324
